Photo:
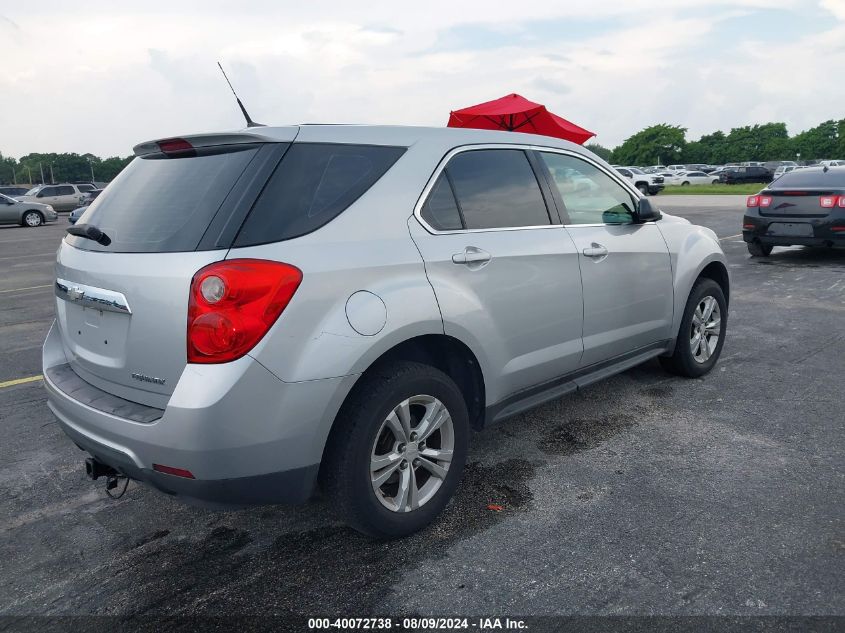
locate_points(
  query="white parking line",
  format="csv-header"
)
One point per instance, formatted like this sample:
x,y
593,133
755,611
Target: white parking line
x,y
28,288
722,239
32,255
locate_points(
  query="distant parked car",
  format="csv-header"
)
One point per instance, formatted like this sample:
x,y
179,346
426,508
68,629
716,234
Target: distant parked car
x,y
64,197
76,214
677,167
695,178
648,184
737,175
832,163
90,196
25,213
805,206
14,192
784,169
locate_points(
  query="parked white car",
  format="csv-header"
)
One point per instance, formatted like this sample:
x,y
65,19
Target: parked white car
x,y
695,178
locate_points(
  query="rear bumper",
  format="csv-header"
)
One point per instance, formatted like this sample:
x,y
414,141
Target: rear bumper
x,y
246,436
821,233
748,236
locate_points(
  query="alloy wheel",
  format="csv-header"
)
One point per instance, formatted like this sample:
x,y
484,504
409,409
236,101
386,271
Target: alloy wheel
x,y
412,453
705,329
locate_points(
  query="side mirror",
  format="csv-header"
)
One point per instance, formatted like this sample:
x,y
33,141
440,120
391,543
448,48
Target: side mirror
x,y
646,212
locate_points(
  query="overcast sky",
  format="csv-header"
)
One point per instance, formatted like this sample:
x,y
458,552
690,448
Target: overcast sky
x,y
104,78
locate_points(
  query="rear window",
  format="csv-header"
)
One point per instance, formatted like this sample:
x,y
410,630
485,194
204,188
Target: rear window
x,y
815,178
159,204
312,185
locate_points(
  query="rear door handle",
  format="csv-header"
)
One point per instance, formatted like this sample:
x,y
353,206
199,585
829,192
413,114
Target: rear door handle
x,y
595,250
472,256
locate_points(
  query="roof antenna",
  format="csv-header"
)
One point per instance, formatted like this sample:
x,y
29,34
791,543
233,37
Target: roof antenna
x,y
249,121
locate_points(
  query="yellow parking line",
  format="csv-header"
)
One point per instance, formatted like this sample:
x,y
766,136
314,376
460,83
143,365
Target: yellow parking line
x,y
27,288
20,381
721,239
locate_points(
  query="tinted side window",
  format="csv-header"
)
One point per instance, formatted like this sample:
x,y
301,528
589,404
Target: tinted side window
x,y
65,191
497,188
313,184
84,188
440,209
47,192
589,194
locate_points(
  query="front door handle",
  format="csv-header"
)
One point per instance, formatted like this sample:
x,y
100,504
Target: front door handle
x,y
472,256
595,250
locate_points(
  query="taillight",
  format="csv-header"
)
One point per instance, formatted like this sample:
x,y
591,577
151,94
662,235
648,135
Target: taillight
x,y
828,202
765,201
753,201
841,203
232,305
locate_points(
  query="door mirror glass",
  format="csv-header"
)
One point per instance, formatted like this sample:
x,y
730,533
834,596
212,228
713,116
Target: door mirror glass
x,y
646,212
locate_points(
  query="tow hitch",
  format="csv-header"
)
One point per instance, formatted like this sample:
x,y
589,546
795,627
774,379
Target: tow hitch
x,y
95,469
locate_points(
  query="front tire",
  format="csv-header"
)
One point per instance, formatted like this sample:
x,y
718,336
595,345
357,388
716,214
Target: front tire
x,y
756,249
396,454
32,219
643,188
702,333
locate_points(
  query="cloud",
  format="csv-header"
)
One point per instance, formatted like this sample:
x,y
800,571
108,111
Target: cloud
x,y
134,72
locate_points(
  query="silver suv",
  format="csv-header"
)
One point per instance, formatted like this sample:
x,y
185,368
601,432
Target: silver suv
x,y
242,317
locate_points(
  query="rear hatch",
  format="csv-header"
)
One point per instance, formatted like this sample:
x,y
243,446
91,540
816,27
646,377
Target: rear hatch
x,y
122,307
804,193
804,203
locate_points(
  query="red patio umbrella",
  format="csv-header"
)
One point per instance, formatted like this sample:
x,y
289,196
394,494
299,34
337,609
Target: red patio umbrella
x,y
515,113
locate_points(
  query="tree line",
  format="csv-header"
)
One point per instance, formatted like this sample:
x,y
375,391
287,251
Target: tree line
x,y
66,167
665,144
657,144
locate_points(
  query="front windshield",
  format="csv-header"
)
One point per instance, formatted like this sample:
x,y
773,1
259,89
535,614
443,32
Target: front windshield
x,y
33,191
635,170
5,198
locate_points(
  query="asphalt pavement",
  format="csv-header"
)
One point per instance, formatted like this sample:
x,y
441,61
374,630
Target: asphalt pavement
x,y
645,494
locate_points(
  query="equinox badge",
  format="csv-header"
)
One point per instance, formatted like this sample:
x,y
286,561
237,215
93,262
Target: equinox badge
x,y
145,378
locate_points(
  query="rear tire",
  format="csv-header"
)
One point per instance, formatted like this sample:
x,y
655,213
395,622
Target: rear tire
x,y
705,318
684,184
367,435
32,219
756,249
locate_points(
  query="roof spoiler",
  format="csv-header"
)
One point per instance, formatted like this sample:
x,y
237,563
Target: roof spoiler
x,y
255,135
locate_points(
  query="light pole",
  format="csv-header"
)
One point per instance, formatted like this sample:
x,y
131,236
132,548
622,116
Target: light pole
x,y
91,165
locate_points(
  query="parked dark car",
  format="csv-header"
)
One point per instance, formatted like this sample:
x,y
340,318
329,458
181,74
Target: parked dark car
x,y
745,174
13,192
805,206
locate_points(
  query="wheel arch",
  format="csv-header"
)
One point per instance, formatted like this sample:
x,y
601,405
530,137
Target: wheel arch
x,y
446,353
718,272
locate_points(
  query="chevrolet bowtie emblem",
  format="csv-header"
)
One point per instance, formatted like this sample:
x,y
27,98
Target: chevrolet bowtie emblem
x,y
75,294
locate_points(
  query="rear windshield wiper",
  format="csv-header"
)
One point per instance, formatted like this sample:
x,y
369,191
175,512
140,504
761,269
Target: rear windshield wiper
x,y
90,232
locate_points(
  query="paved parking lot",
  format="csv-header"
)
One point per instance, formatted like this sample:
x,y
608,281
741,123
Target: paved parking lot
x,y
645,494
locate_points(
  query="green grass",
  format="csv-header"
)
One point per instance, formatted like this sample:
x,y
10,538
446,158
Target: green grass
x,y
713,190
